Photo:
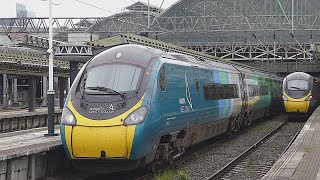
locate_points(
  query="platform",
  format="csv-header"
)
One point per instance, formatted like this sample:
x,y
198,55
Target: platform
x,y
302,159
28,154
24,112
22,119
27,142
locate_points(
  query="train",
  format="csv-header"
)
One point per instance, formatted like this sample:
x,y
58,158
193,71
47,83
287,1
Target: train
x,y
301,93
134,106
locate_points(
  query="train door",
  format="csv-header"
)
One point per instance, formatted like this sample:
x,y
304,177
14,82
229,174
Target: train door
x,y
189,98
196,87
244,98
163,97
176,95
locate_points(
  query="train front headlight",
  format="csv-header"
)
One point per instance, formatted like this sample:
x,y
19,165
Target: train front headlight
x,y
285,98
309,98
136,117
67,117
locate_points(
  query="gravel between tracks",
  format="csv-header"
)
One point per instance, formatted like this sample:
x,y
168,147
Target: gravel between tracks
x,y
203,165
259,162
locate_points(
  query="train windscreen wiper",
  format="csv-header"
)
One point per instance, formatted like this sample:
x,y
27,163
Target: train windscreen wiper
x,y
294,87
107,90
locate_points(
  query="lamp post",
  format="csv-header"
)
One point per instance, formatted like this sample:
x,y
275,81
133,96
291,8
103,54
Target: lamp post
x,y
148,15
50,92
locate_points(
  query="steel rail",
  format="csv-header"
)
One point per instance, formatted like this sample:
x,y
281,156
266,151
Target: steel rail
x,y
219,139
292,140
225,169
185,157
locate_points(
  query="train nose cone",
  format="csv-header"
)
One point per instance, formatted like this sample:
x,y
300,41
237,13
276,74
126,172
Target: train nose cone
x,y
94,142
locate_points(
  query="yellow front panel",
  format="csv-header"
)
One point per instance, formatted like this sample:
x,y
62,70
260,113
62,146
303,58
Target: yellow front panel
x,y
88,142
296,106
68,132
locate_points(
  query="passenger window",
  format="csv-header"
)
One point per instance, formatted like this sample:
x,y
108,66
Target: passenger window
x,y
235,91
162,79
214,91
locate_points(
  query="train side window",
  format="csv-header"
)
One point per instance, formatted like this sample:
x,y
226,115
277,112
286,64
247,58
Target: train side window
x,y
227,91
162,79
253,90
256,90
250,90
206,92
222,91
264,90
235,91
213,91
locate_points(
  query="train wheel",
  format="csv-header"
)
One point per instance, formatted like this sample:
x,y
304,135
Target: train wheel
x,y
267,113
232,127
246,122
155,167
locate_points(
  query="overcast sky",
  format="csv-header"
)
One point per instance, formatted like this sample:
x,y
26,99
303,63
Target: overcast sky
x,y
72,8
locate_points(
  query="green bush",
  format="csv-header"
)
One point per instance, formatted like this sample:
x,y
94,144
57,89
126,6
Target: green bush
x,y
171,175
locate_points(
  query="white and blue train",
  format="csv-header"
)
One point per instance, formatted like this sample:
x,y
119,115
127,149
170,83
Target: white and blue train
x,y
133,106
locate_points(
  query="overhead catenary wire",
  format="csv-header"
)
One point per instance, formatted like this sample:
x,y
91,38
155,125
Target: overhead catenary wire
x,y
88,4
267,31
161,4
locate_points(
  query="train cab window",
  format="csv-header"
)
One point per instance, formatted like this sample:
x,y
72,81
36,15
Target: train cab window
x,y
298,85
162,79
116,77
297,88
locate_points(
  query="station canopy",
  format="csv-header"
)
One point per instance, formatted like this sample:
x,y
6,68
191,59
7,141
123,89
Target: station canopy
x,y
134,18
239,21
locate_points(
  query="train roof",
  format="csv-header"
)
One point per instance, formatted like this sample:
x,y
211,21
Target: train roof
x,y
298,75
126,53
167,47
219,64
143,54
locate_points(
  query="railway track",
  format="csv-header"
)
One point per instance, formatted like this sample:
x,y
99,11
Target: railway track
x,y
213,155
144,174
243,166
190,153
205,148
